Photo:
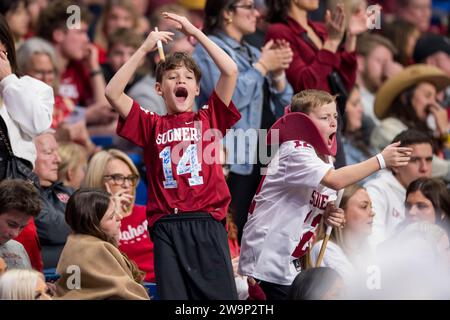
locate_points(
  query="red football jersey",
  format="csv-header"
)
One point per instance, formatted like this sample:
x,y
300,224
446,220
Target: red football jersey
x,y
182,176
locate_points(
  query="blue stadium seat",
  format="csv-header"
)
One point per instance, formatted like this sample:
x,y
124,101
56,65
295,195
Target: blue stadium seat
x,y
151,289
141,190
102,141
51,275
141,193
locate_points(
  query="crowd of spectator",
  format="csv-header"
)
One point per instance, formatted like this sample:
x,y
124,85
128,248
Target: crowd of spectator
x,y
86,179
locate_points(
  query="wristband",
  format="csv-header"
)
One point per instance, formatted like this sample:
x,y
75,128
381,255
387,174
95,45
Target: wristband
x,y
262,66
95,72
381,161
279,78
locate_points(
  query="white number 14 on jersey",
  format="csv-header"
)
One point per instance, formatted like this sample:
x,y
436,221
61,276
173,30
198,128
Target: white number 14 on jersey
x,y
194,167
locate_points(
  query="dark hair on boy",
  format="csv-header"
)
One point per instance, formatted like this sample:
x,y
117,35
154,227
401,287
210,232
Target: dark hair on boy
x,y
174,61
305,101
410,137
55,17
126,37
19,195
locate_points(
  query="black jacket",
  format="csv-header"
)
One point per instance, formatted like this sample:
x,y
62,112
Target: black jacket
x,y
51,224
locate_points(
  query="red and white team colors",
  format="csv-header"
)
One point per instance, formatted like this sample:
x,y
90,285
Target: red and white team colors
x,y
175,149
284,214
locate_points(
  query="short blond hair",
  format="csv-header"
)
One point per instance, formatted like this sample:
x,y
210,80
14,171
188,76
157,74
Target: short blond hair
x,y
98,163
305,101
72,155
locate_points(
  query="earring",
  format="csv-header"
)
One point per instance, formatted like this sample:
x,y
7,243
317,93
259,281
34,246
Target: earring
x,y
228,20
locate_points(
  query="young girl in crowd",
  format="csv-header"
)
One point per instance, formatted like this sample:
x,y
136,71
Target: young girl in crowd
x,y
102,271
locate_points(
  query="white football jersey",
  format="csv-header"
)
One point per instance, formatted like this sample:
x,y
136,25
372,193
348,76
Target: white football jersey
x,y
284,214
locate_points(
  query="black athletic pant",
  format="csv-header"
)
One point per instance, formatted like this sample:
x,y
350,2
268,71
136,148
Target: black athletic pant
x,y
274,291
192,258
242,190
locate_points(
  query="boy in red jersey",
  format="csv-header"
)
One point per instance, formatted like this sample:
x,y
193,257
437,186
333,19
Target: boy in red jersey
x,y
188,196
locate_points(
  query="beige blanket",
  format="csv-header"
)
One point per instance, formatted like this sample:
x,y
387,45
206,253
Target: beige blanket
x,y
94,269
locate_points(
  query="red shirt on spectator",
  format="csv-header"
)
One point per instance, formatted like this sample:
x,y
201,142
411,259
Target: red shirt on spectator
x,y
135,241
30,241
310,66
61,110
182,182
76,84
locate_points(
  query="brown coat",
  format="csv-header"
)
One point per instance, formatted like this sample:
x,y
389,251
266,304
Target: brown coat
x,y
104,272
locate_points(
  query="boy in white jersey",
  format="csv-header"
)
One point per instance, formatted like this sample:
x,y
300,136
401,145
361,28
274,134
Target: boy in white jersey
x,y
300,187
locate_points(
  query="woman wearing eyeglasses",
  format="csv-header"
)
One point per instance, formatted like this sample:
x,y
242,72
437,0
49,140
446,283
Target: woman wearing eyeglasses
x,y
261,91
115,172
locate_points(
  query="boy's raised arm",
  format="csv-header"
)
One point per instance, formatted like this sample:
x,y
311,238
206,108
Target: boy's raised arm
x,y
393,155
115,89
228,68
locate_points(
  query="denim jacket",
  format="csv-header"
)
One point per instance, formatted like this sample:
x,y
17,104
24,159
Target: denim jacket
x,y
248,94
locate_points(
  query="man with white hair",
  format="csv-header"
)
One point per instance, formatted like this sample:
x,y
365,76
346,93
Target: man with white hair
x,y
51,225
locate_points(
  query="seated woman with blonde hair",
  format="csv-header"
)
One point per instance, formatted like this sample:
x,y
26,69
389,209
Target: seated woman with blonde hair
x,y
72,169
348,248
23,284
102,271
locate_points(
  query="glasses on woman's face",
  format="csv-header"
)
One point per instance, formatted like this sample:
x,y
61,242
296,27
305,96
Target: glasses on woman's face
x,y
249,6
119,179
42,74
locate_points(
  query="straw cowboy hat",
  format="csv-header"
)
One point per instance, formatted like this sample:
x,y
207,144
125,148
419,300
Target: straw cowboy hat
x,y
408,77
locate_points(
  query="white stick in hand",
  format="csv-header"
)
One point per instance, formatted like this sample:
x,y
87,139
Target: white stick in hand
x,y
160,48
